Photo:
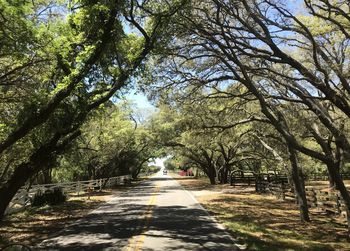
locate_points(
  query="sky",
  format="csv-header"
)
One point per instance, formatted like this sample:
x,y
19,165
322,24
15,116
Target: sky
x,y
158,162
140,100
143,104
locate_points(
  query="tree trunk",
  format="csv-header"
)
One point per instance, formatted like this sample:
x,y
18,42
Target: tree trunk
x,y
136,173
208,170
212,174
18,179
220,175
212,179
41,159
331,181
299,187
225,175
336,168
333,170
7,167
91,170
47,176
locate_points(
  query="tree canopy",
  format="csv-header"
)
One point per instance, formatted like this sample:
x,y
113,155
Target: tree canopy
x,y
254,85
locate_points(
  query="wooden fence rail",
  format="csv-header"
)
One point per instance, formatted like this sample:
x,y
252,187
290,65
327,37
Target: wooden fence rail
x,y
242,178
317,177
324,200
26,194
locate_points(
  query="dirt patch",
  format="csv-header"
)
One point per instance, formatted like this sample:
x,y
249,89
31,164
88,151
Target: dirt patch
x,y
262,222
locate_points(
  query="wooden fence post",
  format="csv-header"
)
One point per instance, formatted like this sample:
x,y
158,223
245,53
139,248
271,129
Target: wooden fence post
x,y
78,187
282,188
338,201
24,195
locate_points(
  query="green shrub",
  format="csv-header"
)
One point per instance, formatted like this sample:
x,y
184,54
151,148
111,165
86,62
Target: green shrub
x,y
39,199
51,197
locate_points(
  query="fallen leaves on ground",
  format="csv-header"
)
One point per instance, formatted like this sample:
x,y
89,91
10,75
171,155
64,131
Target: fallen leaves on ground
x,y
36,224
262,222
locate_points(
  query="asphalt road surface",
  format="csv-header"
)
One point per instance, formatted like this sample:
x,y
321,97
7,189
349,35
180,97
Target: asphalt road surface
x,y
156,215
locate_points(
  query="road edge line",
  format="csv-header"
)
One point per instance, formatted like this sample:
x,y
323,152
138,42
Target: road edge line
x,y
214,219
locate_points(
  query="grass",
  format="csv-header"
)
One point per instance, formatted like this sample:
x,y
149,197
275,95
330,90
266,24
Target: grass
x,y
262,222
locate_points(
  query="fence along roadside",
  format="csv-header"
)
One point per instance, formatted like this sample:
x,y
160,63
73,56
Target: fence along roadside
x,y
323,199
25,194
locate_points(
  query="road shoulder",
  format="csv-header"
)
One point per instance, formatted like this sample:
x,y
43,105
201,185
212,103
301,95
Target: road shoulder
x,y
264,223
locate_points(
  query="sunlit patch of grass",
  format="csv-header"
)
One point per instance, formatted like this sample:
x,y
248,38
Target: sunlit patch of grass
x,y
264,223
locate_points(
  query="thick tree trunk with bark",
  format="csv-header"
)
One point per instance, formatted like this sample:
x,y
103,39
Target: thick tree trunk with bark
x,y
210,171
299,186
136,173
39,160
212,174
212,179
20,176
224,175
331,181
6,169
10,188
47,176
333,170
332,177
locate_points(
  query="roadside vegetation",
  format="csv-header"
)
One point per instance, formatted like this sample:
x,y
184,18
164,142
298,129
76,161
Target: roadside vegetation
x,y
36,224
262,222
63,66
258,86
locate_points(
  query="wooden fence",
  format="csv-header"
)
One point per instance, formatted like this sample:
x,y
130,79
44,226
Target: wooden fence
x,y
25,194
317,177
324,200
242,178
265,182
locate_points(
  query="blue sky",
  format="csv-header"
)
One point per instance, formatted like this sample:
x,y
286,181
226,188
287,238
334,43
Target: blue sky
x,y
140,100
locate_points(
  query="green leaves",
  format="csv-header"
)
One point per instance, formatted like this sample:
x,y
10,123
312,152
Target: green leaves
x,y
111,143
131,46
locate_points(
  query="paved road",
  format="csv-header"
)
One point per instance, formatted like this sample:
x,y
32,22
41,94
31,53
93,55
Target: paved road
x,y
156,215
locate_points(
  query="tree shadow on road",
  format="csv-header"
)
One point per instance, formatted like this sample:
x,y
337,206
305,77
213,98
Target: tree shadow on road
x,y
189,227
